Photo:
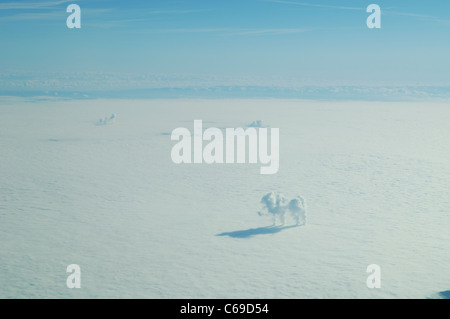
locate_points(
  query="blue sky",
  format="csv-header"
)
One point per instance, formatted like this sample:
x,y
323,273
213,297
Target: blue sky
x,y
313,42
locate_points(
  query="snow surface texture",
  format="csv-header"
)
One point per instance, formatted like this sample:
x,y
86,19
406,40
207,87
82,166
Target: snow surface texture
x,y
376,177
276,205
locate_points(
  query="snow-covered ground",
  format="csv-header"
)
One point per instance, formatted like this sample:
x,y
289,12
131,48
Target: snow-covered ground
x,y
375,175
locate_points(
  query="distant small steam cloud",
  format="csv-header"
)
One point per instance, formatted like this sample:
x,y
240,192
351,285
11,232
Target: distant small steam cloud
x,y
106,120
276,205
257,123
